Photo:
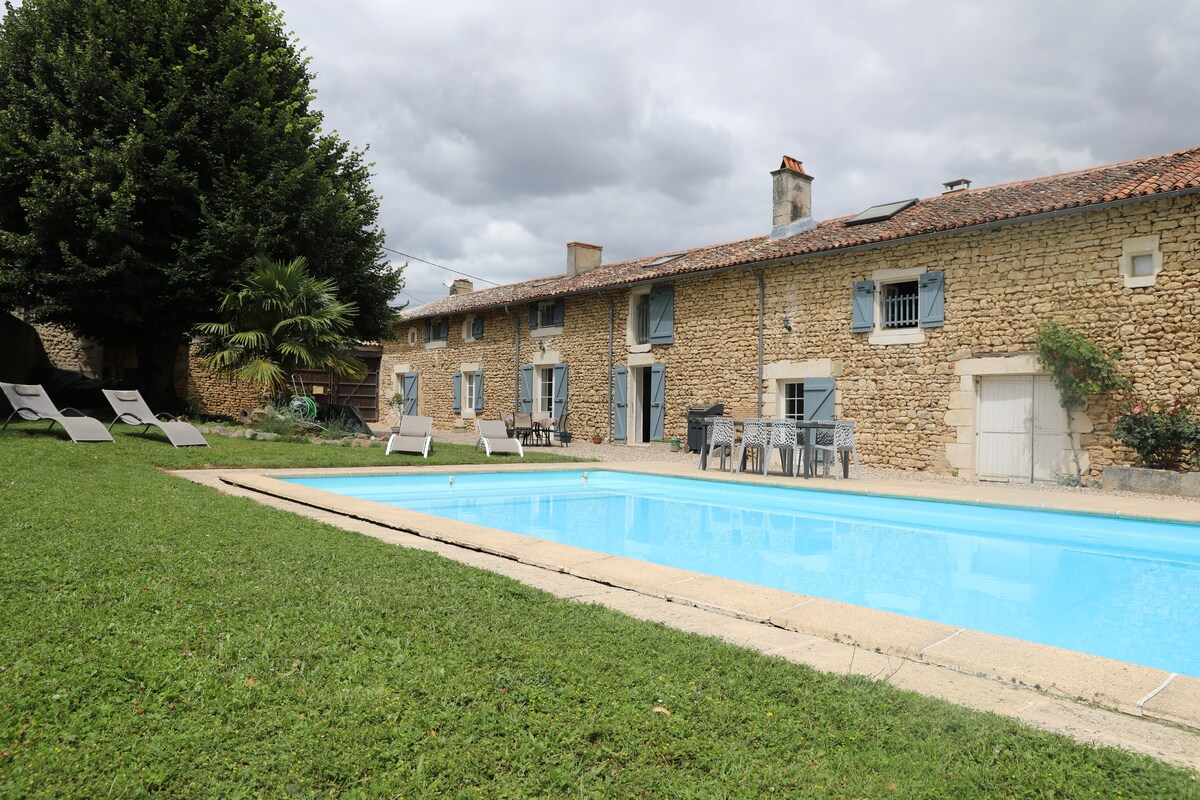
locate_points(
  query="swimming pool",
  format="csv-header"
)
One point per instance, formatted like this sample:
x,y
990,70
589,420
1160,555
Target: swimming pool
x,y
1118,588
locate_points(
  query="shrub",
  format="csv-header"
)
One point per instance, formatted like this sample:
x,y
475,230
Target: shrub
x,y
1160,437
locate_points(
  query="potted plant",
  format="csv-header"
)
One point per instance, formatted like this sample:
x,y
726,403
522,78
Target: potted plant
x,y
596,437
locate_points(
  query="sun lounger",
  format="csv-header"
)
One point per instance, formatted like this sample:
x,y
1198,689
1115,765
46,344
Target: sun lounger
x,y
493,438
30,401
132,410
415,436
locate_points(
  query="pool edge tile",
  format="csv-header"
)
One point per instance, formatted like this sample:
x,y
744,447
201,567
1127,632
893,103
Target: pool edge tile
x,y
1081,676
734,598
868,628
1178,703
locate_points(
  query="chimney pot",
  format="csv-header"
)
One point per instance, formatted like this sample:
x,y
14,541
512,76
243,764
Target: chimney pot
x,y
582,257
461,286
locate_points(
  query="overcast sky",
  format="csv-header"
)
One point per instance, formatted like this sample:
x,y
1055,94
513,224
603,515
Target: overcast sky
x,y
502,131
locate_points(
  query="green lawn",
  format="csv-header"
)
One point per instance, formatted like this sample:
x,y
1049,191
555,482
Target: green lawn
x,y
160,639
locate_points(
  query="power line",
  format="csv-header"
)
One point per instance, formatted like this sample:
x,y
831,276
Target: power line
x,y
439,266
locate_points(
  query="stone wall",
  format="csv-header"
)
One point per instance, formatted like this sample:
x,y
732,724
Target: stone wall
x,y
216,395
913,402
71,352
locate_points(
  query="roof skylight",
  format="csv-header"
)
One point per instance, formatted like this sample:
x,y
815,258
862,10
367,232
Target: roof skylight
x,y
881,212
658,262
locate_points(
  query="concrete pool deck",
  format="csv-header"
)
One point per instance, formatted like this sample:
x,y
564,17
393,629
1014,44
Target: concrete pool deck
x,y
1087,697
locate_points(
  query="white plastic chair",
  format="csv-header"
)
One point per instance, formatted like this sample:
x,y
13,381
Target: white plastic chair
x,y
783,438
756,435
720,437
833,442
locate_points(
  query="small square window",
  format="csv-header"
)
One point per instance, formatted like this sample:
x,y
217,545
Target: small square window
x,y
1140,261
412,335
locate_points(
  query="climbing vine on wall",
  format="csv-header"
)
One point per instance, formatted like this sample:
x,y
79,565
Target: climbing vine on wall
x,y
1078,367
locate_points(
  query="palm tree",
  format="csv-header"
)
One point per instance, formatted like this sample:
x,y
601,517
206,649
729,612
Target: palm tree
x,y
280,317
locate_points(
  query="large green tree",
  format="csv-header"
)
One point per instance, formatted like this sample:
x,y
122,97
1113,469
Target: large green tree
x,y
148,149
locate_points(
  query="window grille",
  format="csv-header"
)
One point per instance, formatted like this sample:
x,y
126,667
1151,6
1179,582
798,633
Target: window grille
x,y
641,333
901,302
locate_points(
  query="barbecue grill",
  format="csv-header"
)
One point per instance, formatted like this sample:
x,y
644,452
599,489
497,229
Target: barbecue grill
x,y
696,415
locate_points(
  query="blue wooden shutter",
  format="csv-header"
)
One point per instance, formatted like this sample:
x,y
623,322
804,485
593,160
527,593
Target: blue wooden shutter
x,y
526,405
533,316
409,384
479,392
932,299
477,328
862,317
456,404
560,391
428,330
620,402
658,400
557,313
818,399
662,315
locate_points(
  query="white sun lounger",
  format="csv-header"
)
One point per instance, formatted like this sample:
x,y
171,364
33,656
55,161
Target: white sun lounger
x,y
493,438
132,410
30,401
415,436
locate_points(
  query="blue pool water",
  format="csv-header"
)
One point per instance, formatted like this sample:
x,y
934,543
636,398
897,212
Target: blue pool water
x,y
1123,589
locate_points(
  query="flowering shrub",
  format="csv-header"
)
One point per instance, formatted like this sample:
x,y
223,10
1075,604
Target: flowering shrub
x,y
1160,437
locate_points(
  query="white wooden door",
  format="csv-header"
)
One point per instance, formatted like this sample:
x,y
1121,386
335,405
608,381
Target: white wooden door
x,y
1051,447
1022,429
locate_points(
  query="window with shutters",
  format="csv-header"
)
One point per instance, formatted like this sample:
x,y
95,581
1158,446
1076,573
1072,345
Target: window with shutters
x,y
546,317
651,317
1140,261
437,332
472,328
637,333
896,305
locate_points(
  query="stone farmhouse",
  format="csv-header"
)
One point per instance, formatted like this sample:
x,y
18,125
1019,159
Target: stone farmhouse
x,y
916,319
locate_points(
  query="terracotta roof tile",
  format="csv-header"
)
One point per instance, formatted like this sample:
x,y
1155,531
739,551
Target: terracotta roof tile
x,y
1144,177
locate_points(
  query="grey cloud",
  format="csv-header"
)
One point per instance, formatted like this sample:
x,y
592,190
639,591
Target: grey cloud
x,y
502,131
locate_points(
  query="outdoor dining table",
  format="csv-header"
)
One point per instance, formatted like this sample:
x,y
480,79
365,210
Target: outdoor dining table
x,y
541,433
802,440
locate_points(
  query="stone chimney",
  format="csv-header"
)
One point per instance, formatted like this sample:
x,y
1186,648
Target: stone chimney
x,y
461,286
792,198
582,257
